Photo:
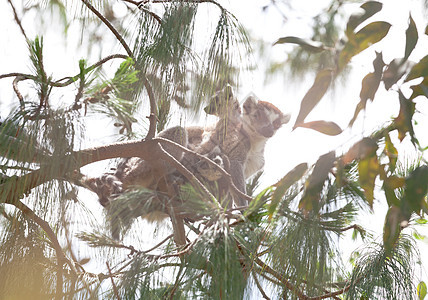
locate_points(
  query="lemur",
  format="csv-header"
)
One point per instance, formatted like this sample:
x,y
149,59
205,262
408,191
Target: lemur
x,y
237,142
241,137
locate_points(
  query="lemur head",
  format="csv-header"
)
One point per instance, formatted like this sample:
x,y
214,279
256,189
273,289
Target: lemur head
x,y
262,118
209,172
224,104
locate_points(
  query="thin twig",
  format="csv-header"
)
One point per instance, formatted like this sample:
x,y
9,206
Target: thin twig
x,y
17,20
158,245
189,1
283,280
337,229
110,26
259,286
17,92
142,8
70,80
116,293
186,249
88,69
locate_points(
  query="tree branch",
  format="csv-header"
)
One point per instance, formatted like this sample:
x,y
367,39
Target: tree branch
x,y
158,244
152,117
88,69
70,80
189,1
110,26
116,293
140,7
283,280
17,92
259,286
17,20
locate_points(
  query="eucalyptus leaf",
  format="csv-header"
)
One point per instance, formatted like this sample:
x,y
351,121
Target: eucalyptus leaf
x,y
364,38
411,37
314,94
420,69
326,127
368,9
309,45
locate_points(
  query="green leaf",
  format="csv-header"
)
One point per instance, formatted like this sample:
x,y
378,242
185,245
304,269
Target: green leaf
x,y
419,70
368,169
422,290
419,236
309,45
421,221
315,183
389,185
391,152
329,128
416,190
314,95
367,36
258,201
411,37
369,9
282,186
392,228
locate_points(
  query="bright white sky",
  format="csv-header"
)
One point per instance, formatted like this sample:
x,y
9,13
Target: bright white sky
x,y
286,149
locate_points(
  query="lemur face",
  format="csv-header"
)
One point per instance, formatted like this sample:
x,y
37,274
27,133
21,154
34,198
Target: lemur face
x,y
224,104
262,118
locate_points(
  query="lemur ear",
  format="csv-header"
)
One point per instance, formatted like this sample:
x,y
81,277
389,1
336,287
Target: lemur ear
x,y
220,101
228,91
285,118
250,103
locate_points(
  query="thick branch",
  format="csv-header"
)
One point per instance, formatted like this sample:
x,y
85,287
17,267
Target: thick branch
x,y
14,188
